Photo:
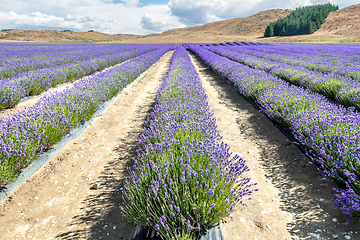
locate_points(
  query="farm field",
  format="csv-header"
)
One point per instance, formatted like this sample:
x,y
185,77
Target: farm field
x,y
167,116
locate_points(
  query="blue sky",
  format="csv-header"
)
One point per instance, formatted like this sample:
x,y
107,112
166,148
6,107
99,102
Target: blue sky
x,y
135,16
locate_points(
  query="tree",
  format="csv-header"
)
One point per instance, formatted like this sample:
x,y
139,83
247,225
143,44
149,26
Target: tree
x,y
269,31
304,20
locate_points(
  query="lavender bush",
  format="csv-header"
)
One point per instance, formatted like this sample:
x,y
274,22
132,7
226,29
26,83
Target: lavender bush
x,y
184,179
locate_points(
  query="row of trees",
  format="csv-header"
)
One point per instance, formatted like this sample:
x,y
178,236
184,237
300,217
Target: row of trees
x,y
304,20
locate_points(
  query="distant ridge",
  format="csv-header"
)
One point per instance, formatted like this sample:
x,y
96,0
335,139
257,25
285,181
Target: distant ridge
x,y
60,36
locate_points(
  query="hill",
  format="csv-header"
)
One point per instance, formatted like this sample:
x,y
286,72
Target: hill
x,y
60,36
343,22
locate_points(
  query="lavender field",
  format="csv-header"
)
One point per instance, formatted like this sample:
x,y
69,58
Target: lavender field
x,y
185,178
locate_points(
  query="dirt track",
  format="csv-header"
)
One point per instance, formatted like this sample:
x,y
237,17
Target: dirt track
x,y
293,201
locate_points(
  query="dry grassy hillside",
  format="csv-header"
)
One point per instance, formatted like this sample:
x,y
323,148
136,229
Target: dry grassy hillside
x,y
56,36
345,22
249,26
245,28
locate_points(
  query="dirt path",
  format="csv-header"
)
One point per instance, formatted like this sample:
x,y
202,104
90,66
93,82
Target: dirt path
x,y
293,201
60,202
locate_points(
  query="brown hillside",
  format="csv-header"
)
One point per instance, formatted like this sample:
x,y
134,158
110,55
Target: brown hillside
x,y
344,22
56,36
244,28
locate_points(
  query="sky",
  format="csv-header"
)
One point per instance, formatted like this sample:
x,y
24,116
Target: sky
x,y
135,16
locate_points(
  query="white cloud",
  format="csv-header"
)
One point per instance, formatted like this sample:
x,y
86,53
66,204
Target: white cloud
x,y
13,20
130,16
155,23
151,23
82,15
131,2
203,11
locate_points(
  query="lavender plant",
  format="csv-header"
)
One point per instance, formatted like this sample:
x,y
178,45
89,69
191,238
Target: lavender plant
x,y
184,179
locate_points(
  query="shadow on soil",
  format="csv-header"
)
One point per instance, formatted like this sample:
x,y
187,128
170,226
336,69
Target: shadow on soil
x,y
103,218
304,192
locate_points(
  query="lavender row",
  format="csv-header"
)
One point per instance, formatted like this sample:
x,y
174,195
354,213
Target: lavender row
x,y
13,52
344,90
341,62
342,54
325,64
35,82
29,132
184,179
70,55
330,133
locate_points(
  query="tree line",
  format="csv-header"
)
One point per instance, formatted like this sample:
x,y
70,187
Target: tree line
x,y
304,20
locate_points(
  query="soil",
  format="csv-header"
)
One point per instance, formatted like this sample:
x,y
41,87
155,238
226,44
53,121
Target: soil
x,y
60,201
